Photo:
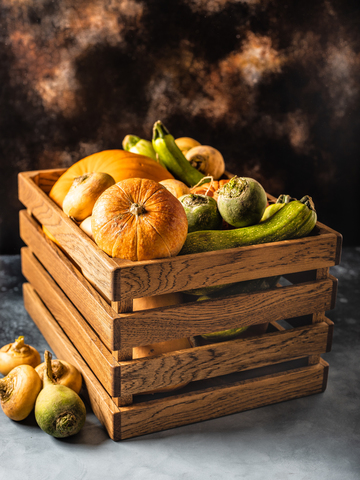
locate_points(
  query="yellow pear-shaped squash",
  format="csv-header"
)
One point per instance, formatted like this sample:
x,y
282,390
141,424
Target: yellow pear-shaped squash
x,y
120,164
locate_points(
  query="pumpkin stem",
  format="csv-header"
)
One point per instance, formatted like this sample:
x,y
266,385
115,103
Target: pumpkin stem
x,y
137,209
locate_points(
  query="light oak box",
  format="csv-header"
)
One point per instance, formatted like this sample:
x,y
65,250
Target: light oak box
x,y
82,301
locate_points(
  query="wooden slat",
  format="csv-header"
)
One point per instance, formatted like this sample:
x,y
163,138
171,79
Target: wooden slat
x,y
182,409
46,179
223,358
84,296
71,321
197,318
95,264
225,266
102,405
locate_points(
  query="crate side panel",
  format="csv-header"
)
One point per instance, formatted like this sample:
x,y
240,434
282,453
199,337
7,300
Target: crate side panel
x,y
197,318
215,402
225,266
80,333
214,360
84,296
94,263
102,405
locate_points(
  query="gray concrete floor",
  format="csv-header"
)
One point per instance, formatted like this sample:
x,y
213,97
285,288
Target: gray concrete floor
x,y
312,438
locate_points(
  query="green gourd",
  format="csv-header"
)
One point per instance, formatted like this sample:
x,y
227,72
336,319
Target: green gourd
x,y
201,212
295,220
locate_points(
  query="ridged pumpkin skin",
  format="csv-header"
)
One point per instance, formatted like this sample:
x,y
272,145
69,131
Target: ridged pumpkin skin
x,y
138,219
120,164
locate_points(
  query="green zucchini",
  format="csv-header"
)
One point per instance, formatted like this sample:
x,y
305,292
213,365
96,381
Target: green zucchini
x,y
172,157
296,219
201,211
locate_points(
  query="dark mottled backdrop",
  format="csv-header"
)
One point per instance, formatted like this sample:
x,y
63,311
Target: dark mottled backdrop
x,y
274,85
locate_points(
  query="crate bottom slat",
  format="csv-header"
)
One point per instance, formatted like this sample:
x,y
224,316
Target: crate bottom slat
x,y
177,409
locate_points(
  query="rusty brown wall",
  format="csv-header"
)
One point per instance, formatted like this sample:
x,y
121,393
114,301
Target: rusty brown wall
x,y
273,84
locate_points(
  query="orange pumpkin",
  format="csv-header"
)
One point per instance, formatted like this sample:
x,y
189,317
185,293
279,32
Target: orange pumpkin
x,y
120,164
139,219
209,189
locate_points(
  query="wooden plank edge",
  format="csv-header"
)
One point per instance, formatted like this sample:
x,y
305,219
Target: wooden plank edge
x,y
190,319
330,334
214,402
218,359
339,240
103,407
125,275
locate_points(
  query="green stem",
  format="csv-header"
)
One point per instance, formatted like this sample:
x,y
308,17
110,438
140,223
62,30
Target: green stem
x,y
159,130
130,141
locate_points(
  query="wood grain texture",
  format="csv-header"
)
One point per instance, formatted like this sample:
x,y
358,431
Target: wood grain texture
x,y
71,321
178,409
197,318
83,295
95,264
225,266
223,358
215,402
101,403
120,280
138,376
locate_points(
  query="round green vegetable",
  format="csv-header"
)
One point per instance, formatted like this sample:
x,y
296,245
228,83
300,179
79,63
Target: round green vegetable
x,y
295,220
59,411
242,201
201,211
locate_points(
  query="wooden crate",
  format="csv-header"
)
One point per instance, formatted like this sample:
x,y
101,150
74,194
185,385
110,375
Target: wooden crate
x,y
82,301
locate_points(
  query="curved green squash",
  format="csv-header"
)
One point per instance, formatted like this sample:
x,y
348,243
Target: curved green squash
x,y
296,219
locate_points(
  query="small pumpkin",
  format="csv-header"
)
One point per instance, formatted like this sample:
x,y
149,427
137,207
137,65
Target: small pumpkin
x,y
139,219
120,164
210,189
